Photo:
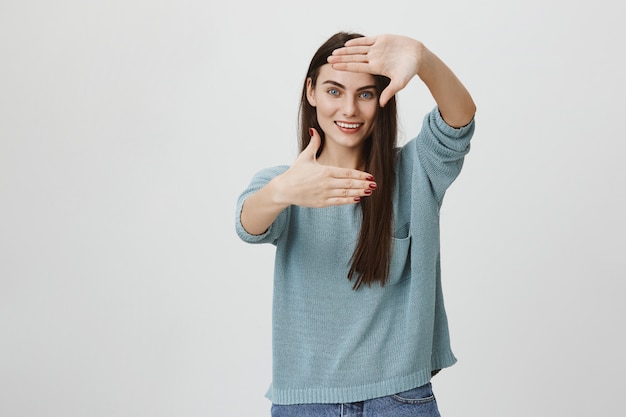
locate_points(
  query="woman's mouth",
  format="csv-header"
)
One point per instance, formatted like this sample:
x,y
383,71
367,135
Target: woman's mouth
x,y
348,127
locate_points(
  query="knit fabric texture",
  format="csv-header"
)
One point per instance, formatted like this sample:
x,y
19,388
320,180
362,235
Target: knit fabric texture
x,y
333,344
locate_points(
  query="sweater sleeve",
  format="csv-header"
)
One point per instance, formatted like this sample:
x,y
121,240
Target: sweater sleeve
x,y
273,232
441,150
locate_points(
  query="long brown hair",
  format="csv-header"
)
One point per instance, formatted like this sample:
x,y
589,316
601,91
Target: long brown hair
x,y
371,259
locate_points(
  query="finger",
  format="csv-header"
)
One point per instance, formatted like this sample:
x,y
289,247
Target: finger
x,y
342,201
352,184
347,193
385,96
347,196
389,92
351,50
314,144
350,174
364,40
353,67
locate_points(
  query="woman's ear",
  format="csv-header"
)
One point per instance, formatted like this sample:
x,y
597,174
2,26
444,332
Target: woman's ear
x,y
310,92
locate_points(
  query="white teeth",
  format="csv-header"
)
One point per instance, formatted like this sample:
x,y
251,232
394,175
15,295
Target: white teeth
x,y
348,125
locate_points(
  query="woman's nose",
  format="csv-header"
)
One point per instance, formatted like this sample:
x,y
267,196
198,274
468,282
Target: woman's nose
x,y
349,107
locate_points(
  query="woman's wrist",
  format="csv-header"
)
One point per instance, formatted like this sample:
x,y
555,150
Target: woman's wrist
x,y
277,196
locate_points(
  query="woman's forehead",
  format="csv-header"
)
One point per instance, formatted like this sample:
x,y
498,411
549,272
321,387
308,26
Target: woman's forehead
x,y
348,79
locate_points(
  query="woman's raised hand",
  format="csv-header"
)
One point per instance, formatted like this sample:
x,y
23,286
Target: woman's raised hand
x,y
396,57
309,184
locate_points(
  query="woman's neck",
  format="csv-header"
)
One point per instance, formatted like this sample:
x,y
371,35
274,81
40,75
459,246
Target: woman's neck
x,y
352,159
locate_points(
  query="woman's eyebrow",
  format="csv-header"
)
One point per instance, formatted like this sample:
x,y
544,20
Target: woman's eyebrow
x,y
335,83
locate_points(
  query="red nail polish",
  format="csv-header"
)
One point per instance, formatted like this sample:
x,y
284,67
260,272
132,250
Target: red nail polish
x,y
373,186
368,192
370,178
311,131
357,198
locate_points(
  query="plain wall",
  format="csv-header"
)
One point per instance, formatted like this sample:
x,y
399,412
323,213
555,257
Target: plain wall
x,y
128,129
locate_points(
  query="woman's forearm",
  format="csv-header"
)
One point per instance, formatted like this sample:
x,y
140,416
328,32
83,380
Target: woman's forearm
x,y
454,101
261,209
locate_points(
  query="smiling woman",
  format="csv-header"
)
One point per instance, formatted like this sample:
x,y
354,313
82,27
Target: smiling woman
x,y
358,315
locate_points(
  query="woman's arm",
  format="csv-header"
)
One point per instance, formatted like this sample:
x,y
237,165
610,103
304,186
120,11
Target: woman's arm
x,y
400,58
454,101
261,209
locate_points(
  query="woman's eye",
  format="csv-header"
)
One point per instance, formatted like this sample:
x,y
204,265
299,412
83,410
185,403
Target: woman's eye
x,y
333,92
367,94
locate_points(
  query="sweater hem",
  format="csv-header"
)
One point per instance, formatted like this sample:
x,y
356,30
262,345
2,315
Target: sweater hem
x,y
349,394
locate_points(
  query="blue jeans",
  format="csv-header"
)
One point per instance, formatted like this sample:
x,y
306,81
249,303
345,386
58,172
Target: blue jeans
x,y
417,402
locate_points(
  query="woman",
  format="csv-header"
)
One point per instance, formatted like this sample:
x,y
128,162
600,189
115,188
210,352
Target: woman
x,y
358,318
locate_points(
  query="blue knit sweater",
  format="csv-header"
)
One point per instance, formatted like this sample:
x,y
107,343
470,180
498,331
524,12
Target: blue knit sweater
x,y
332,344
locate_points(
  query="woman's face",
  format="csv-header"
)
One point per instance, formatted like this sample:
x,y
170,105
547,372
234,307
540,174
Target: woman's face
x,y
346,103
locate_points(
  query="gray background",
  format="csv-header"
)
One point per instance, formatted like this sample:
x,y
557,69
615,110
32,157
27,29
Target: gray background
x,y
128,128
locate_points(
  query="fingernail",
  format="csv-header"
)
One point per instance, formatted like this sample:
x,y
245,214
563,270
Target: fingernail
x,y
370,178
357,198
368,192
311,131
373,186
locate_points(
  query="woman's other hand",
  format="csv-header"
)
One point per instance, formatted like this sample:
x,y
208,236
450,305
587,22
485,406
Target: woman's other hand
x,y
307,183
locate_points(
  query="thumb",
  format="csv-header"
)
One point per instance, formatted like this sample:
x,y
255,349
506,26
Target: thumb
x,y
389,92
314,144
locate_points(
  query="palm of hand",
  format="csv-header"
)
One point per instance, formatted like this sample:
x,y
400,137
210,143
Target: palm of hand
x,y
393,56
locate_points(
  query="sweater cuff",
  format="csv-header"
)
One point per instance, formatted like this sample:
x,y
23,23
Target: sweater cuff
x,y
241,231
454,132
